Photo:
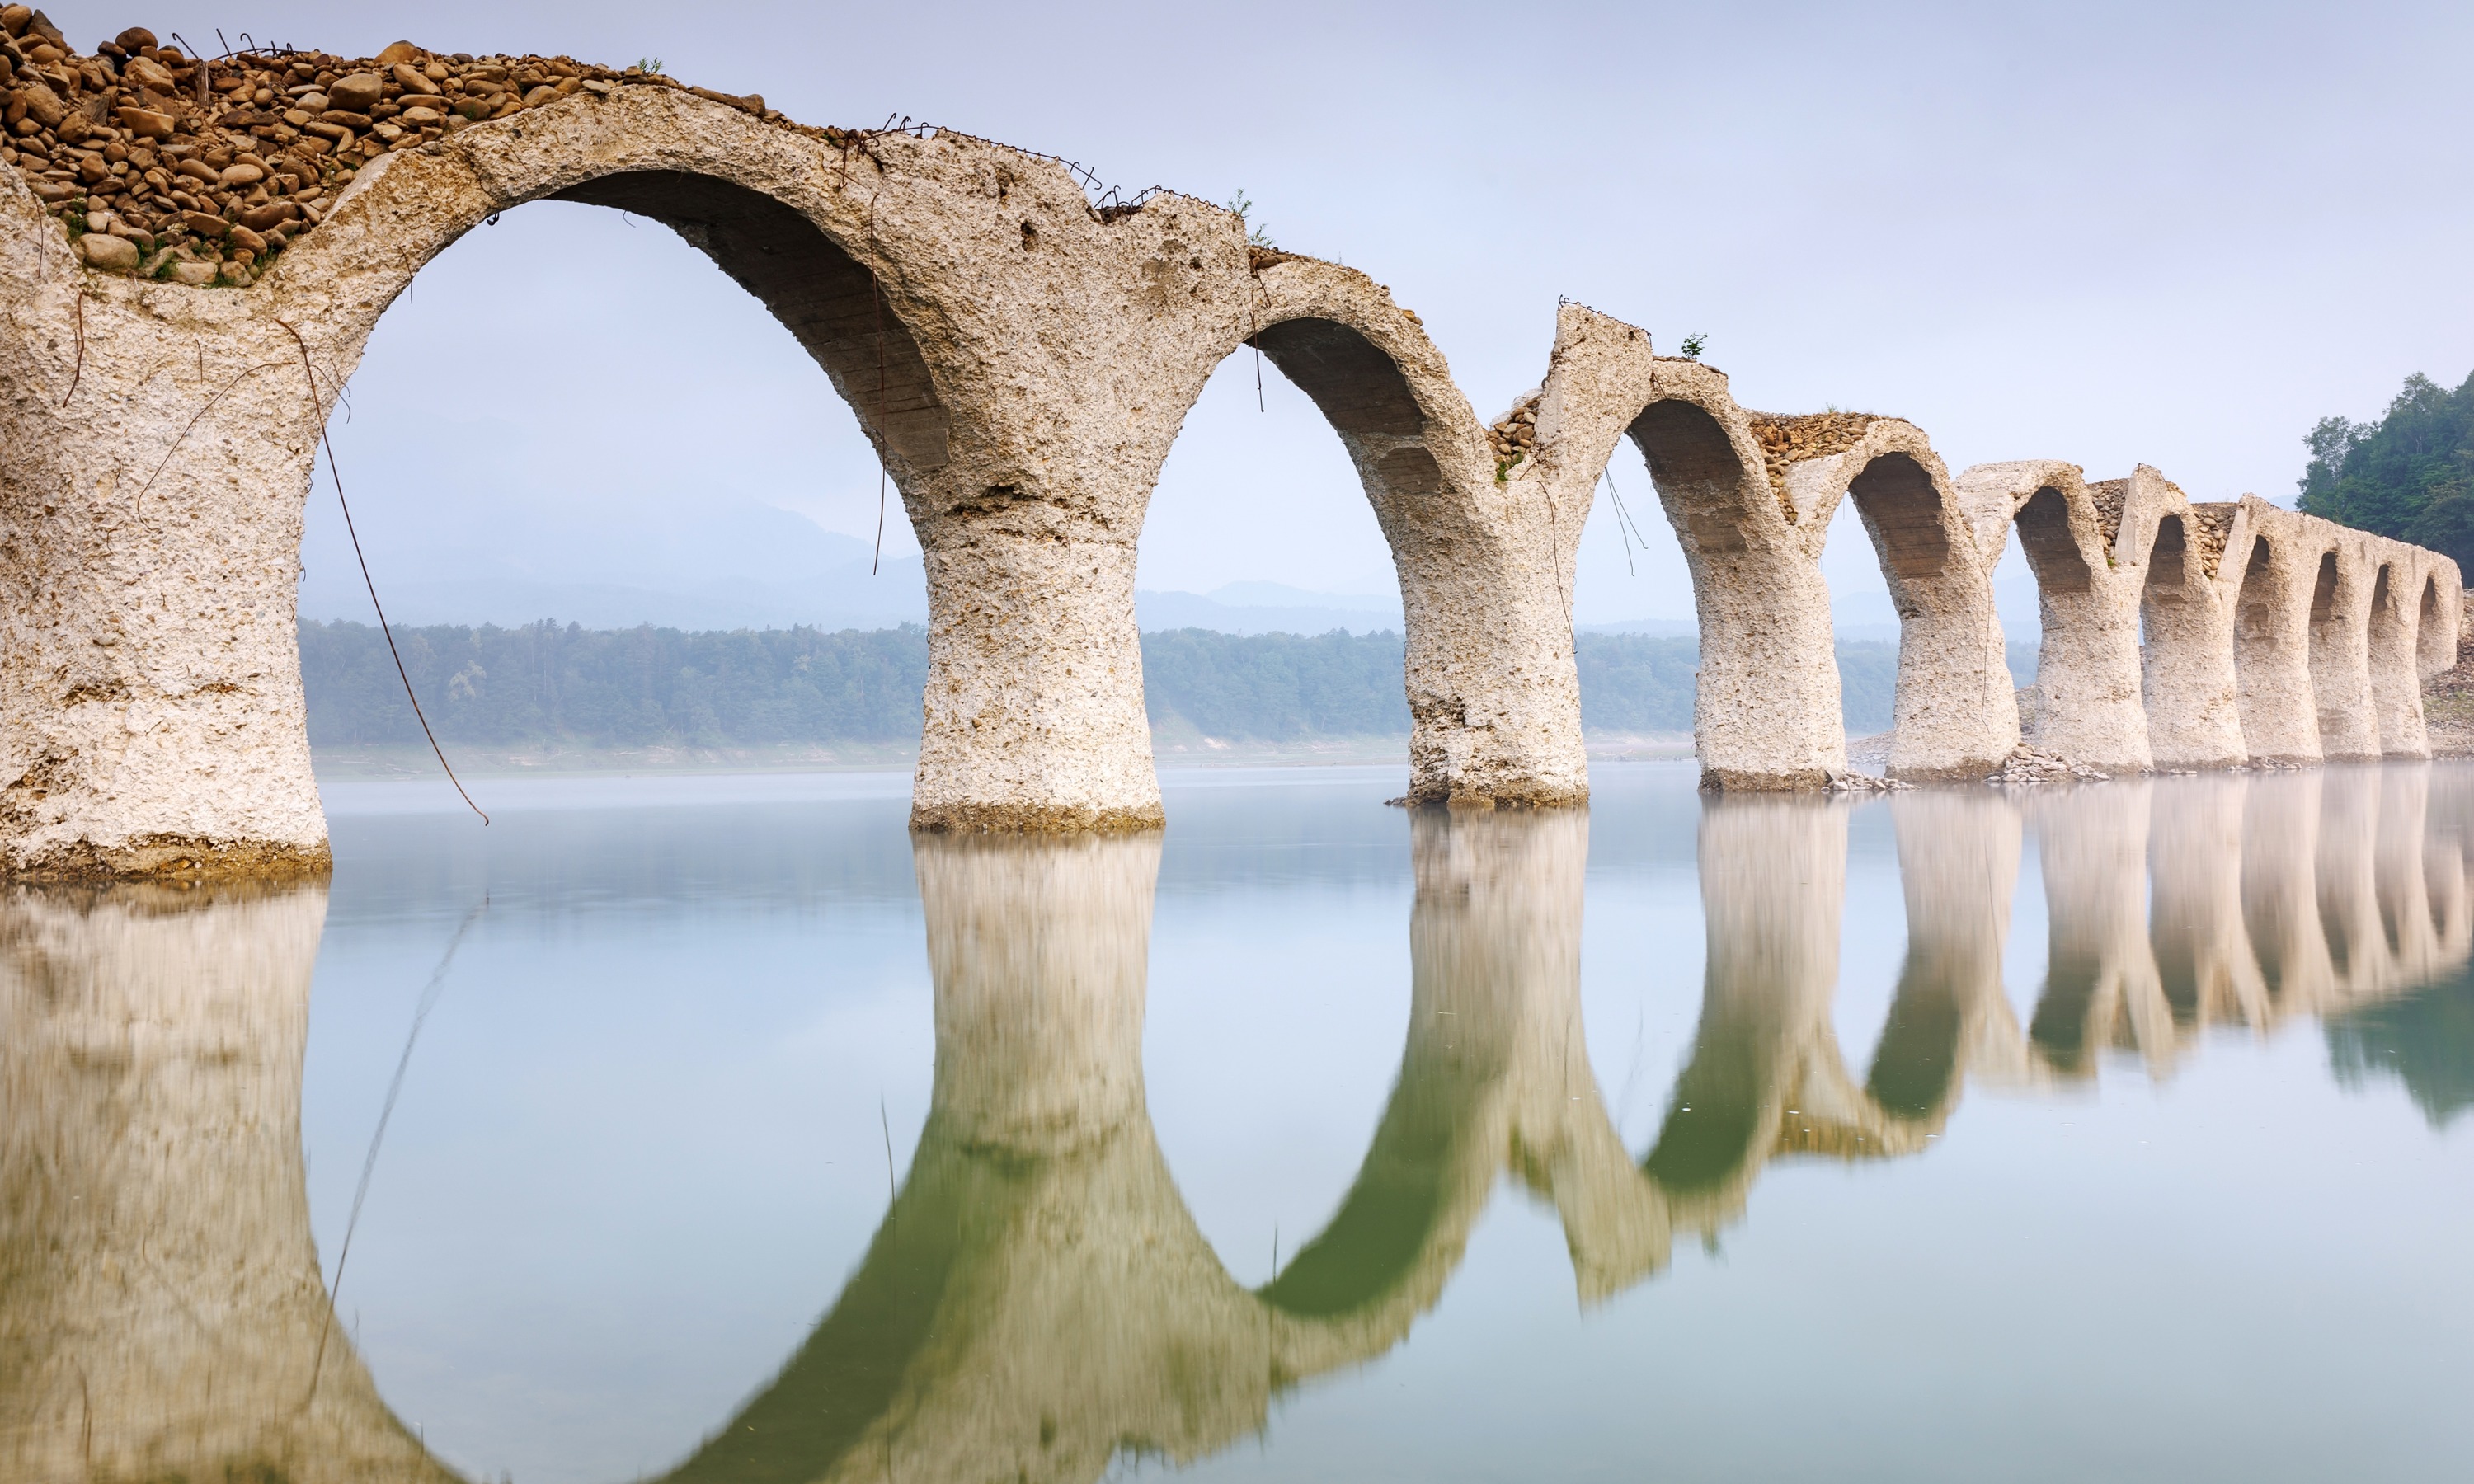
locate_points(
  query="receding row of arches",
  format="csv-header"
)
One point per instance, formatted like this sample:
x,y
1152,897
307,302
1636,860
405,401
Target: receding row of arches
x,y
1022,363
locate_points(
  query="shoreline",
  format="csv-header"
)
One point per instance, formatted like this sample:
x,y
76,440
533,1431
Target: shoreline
x,y
405,764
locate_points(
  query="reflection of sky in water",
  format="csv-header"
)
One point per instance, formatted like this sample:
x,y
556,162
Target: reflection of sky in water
x,y
642,1145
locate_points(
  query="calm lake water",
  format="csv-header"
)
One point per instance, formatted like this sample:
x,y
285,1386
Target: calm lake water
x,y
732,1135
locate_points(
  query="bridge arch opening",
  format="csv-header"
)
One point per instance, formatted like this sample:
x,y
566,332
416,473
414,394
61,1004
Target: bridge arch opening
x,y
2164,617
1264,519
2339,659
2052,553
2255,612
1951,711
2434,635
1903,509
642,449
1701,478
2082,692
826,298
2390,638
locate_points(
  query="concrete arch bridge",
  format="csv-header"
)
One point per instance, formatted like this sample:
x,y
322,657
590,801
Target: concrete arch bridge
x,y
1022,359
1038,1299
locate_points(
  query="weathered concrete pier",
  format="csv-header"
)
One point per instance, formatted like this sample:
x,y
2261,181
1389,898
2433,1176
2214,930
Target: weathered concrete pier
x,y
196,250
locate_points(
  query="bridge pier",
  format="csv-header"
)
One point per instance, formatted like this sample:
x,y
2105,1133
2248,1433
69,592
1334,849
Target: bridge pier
x,y
151,716
1022,361
1751,496
2187,679
2088,675
2396,676
2272,567
2341,657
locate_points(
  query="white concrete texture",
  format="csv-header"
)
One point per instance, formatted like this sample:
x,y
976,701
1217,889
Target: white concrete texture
x,y
1751,496
2182,635
1023,361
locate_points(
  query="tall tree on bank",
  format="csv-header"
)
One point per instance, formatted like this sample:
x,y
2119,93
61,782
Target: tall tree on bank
x,y
2409,475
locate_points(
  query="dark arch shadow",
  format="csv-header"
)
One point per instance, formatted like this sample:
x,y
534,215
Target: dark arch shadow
x,y
2430,621
1699,475
1903,513
2044,524
2334,678
2165,568
2255,626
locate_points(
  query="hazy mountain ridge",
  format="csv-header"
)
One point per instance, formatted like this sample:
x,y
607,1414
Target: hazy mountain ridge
x,y
546,683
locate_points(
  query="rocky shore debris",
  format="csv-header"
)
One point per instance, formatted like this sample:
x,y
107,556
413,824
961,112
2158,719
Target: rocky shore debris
x,y
2034,765
1851,782
1865,784
203,170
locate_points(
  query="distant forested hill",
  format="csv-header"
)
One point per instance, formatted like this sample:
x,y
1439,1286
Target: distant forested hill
x,y
2409,475
636,687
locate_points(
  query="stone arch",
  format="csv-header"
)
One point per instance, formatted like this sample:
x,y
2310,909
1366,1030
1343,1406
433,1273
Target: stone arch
x,y
2390,651
2087,664
1492,694
1021,359
1956,710
2340,654
2273,651
2187,656
843,247
1750,496
1766,712
1033,715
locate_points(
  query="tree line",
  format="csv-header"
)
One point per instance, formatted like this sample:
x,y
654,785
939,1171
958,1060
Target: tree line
x,y
2409,475
548,683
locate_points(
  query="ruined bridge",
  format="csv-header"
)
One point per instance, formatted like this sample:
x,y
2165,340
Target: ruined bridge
x,y
1037,1298
196,252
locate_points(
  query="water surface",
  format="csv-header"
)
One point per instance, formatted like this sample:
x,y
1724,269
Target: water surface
x,y
738,1136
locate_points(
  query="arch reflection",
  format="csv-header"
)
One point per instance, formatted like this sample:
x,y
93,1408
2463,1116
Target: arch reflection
x,y
1038,1300
161,1312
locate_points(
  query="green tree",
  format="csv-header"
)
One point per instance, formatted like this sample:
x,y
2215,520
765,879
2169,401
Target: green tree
x,y
2409,475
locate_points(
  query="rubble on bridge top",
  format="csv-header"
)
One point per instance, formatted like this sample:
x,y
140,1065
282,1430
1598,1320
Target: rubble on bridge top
x,y
201,169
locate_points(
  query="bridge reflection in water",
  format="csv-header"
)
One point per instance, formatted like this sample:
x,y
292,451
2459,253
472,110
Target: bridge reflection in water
x,y
1038,1300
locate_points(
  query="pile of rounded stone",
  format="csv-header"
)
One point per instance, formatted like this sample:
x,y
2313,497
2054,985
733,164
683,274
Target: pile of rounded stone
x,y
201,170
1514,437
2034,765
1796,438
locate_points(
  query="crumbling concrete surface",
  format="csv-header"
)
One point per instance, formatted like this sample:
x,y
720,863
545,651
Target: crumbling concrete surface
x,y
193,254
1751,496
1022,359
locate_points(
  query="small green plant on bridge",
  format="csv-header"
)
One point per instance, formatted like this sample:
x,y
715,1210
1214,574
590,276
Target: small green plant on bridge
x,y
1239,205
